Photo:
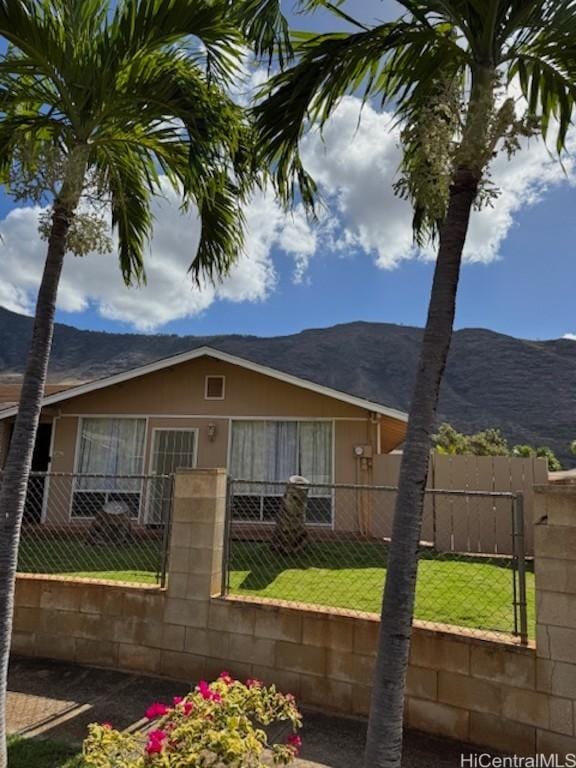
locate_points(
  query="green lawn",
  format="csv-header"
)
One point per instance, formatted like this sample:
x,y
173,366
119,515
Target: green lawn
x,y
463,591
26,753
70,555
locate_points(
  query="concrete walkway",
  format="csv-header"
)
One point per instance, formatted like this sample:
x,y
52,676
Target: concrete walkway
x,y
57,701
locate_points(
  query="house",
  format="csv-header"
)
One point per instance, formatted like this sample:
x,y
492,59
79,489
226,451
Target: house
x,y
205,408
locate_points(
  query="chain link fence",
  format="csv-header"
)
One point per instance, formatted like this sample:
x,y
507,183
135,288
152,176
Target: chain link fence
x,y
327,546
103,527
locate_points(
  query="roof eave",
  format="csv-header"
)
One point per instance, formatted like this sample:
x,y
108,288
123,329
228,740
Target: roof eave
x,y
203,351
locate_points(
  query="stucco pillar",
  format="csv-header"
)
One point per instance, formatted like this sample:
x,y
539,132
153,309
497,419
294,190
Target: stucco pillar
x,y
555,569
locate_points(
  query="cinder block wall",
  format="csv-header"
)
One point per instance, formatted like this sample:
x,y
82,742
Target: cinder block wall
x,y
555,566
493,694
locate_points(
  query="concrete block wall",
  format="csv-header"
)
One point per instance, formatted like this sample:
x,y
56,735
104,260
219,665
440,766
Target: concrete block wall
x,y
100,623
555,571
494,694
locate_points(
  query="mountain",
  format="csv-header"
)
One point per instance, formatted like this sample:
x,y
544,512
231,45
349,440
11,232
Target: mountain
x,y
526,388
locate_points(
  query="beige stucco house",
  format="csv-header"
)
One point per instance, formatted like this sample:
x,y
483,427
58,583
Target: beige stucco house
x,y
203,408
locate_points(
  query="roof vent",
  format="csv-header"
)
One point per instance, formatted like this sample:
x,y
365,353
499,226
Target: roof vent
x,y
214,388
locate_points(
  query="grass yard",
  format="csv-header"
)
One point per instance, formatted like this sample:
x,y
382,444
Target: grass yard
x,y
471,592
70,555
28,753
463,591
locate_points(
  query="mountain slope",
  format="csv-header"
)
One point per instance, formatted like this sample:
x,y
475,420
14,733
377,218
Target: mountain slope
x,y
526,388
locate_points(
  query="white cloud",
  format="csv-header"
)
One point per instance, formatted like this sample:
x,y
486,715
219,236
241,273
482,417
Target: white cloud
x,y
95,280
570,336
355,164
522,181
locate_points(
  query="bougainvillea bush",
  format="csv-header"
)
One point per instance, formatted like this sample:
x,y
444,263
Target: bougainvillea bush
x,y
218,725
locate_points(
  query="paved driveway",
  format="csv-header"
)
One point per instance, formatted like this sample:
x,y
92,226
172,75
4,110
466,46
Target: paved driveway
x,y
57,701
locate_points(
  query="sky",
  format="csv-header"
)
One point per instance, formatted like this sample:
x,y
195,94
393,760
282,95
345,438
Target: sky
x,y
357,263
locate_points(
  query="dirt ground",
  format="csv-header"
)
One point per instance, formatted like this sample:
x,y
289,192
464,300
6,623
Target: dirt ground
x,y
53,700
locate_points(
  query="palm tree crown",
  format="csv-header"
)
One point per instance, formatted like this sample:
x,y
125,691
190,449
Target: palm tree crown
x,y
449,70
129,96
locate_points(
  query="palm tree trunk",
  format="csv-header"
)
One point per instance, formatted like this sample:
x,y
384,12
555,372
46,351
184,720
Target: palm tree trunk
x,y
384,741
19,458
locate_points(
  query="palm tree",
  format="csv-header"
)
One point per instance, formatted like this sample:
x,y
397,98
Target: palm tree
x,y
447,69
100,108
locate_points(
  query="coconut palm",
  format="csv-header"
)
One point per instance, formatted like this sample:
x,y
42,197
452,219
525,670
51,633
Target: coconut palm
x,y
449,70
103,106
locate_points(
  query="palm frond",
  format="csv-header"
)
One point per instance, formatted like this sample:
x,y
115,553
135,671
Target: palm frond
x,y
550,94
128,179
387,62
336,9
141,90
222,235
543,58
265,28
145,25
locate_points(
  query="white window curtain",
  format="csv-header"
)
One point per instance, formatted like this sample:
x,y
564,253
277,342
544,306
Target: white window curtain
x,y
274,450
315,454
111,447
281,453
248,453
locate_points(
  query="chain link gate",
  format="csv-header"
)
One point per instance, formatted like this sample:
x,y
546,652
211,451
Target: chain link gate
x,y
473,571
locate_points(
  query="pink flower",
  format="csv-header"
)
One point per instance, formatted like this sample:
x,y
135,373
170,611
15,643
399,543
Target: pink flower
x,y
226,677
204,690
155,742
251,683
185,707
207,693
156,710
294,742
108,726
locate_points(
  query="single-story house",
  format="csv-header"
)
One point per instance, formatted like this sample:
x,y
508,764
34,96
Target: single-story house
x,y
203,408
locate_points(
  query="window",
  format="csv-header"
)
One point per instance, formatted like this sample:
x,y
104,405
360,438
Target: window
x,y
273,451
114,450
214,388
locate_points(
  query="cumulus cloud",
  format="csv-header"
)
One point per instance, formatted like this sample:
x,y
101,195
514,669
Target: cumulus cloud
x,y
355,164
95,280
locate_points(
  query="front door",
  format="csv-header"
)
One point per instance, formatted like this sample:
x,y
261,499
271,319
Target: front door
x,y
172,449
37,483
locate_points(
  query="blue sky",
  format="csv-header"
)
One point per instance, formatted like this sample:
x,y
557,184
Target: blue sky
x,y
356,266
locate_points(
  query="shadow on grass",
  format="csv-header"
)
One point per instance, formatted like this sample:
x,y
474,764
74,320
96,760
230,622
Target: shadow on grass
x,y
264,565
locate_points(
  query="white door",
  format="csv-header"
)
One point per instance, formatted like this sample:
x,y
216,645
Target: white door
x,y
172,449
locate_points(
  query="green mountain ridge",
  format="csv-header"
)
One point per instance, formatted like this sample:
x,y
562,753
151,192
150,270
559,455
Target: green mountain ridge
x,y
525,388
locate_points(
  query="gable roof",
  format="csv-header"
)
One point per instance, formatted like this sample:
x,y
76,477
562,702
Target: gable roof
x,y
168,362
10,393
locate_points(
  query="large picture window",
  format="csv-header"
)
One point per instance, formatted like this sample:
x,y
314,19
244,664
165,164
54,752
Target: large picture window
x,y
113,449
272,451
